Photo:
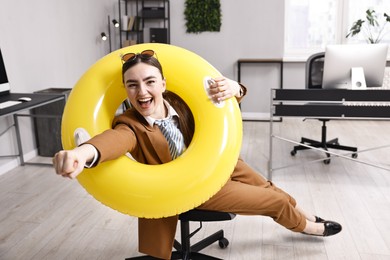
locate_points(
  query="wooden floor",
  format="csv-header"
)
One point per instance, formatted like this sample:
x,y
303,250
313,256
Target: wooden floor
x,y
43,216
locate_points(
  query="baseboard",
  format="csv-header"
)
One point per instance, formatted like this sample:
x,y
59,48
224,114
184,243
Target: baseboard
x,y
255,116
15,162
8,166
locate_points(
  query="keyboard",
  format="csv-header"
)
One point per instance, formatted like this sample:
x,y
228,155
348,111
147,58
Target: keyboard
x,y
9,104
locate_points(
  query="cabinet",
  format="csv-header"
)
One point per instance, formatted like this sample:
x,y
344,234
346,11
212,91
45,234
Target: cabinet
x,y
144,21
47,122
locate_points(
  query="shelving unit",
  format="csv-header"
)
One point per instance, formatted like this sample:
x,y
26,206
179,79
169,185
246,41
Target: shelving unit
x,y
144,21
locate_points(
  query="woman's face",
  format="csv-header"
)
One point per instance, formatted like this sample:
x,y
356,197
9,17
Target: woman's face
x,y
144,86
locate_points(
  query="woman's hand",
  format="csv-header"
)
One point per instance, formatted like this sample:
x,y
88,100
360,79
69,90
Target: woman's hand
x,y
223,89
70,163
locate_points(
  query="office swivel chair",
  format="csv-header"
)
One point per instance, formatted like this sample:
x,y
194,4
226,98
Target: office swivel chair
x,y
185,250
313,80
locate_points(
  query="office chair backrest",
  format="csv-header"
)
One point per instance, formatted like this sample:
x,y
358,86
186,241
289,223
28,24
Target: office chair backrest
x,y
315,70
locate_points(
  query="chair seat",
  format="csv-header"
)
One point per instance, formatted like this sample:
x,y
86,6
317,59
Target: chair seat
x,y
206,215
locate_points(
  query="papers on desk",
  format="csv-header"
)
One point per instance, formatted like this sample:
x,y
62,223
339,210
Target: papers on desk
x,y
9,104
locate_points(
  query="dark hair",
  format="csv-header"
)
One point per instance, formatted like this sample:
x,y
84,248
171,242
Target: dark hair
x,y
186,119
138,59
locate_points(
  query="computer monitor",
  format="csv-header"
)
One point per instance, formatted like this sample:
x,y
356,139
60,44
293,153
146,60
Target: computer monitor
x,y
354,66
4,84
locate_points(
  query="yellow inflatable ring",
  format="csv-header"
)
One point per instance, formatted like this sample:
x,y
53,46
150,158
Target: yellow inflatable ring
x,y
155,191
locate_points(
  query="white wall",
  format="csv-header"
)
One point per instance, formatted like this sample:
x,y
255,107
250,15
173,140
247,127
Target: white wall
x,y
48,43
51,43
250,29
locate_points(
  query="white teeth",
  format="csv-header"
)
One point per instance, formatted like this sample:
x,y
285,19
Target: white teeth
x,y
144,99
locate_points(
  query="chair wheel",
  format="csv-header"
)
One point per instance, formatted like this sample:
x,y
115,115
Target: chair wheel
x,y
327,161
354,155
223,243
293,153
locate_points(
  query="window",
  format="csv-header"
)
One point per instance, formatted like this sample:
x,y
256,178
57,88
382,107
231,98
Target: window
x,y
312,24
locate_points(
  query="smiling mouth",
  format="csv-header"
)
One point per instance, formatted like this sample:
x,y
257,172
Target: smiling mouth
x,y
145,102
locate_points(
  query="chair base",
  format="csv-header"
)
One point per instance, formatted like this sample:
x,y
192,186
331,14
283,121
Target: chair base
x,y
324,144
185,250
194,256
193,252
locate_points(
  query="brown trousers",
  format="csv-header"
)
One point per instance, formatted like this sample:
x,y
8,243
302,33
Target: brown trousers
x,y
248,193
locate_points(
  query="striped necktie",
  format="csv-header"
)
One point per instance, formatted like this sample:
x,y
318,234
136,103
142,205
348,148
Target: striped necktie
x,y
173,135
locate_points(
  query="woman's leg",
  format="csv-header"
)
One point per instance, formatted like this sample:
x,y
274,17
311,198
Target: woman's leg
x,y
313,228
247,192
308,216
242,198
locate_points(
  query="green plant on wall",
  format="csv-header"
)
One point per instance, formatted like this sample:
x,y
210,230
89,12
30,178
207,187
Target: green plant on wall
x,y
203,15
372,27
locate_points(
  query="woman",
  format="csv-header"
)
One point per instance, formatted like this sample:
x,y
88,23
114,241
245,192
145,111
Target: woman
x,y
137,131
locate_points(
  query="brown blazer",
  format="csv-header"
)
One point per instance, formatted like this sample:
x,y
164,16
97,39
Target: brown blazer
x,y
131,133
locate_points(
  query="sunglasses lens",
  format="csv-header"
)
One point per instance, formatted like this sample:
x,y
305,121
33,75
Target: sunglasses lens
x,y
147,53
128,56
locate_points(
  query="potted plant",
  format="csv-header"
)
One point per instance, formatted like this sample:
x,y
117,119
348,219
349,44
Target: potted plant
x,y
373,27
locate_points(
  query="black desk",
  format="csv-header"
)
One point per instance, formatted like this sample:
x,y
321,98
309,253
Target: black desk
x,y
328,103
37,100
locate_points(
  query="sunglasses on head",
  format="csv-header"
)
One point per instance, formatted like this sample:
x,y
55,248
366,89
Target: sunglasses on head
x,y
146,54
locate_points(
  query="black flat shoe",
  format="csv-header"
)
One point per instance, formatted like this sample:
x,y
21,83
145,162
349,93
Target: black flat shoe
x,y
331,228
